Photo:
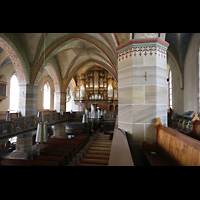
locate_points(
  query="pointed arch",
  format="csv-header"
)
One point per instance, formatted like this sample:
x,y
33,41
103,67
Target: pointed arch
x,y
177,67
52,72
54,76
16,59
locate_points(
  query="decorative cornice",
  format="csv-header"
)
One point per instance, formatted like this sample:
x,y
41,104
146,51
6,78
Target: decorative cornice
x,y
149,50
143,41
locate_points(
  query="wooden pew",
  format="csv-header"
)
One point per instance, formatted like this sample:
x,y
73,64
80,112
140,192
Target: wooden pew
x,y
66,148
74,131
181,123
5,146
77,145
21,162
48,149
172,148
195,133
60,159
78,141
3,114
55,147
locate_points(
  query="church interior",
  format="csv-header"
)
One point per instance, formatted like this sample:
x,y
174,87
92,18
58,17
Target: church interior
x,y
99,99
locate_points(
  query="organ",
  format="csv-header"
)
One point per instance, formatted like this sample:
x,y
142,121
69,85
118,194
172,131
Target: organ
x,y
96,84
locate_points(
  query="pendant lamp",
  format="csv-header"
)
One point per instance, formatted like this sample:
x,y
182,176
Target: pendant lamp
x,y
41,135
9,117
84,118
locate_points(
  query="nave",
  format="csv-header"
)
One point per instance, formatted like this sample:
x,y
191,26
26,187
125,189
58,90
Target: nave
x,y
68,144
137,77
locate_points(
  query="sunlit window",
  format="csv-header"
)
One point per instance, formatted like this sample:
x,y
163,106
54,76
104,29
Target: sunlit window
x,y
47,97
14,94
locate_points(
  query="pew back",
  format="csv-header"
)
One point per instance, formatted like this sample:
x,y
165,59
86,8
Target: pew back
x,y
20,162
179,148
195,133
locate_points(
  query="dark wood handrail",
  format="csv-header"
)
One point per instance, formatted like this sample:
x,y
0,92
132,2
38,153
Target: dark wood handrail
x,y
120,154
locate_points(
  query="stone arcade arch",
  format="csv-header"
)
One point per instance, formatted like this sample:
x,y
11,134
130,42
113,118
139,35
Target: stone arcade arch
x,y
20,70
21,73
51,70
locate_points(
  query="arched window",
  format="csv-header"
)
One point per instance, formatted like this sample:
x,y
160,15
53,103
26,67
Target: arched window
x,y
14,94
47,96
170,88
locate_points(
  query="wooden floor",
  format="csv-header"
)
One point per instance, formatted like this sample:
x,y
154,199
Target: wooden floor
x,y
98,153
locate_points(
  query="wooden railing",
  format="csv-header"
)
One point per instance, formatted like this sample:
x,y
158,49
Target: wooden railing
x,y
20,124
120,154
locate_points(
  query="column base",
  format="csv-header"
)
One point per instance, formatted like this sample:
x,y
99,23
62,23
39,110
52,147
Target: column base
x,y
25,155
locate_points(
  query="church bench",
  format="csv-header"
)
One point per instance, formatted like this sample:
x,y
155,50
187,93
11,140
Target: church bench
x,y
22,162
4,127
77,137
5,146
56,147
99,156
75,144
83,138
195,133
66,152
66,157
94,161
46,111
3,114
49,152
70,147
89,164
172,148
50,158
67,147
74,131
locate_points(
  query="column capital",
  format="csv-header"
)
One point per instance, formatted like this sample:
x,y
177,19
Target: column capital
x,y
142,47
142,41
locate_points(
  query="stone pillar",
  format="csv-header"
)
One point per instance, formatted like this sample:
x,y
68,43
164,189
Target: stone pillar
x,y
142,87
60,101
59,131
28,99
25,146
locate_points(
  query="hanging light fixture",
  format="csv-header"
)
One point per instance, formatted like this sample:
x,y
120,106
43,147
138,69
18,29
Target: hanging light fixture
x,y
84,118
42,135
8,117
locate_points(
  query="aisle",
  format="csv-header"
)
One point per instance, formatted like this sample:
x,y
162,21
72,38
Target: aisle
x,y
98,153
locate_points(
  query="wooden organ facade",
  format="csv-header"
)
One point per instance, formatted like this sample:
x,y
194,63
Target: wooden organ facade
x,y
99,86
